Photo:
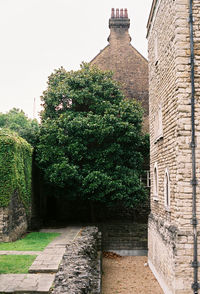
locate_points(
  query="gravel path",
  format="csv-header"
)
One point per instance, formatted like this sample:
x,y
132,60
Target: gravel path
x,y
128,275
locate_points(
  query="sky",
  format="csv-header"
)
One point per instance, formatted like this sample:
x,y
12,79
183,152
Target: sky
x,y
38,36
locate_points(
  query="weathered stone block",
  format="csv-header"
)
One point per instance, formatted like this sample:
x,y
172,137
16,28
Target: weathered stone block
x,y
170,87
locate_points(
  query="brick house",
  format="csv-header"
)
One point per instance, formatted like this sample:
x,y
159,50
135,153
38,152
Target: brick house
x,y
129,66
173,33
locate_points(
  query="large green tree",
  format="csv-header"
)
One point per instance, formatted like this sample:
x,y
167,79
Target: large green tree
x,y
17,121
91,144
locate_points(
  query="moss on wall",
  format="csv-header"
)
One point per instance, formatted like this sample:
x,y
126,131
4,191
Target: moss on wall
x,y
15,168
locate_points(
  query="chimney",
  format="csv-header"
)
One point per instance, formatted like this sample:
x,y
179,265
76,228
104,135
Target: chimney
x,y
119,24
119,19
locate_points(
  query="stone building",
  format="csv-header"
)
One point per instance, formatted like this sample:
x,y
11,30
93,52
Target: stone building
x,y
129,66
173,32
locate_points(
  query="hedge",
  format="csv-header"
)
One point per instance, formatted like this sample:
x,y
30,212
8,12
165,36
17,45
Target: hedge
x,y
15,168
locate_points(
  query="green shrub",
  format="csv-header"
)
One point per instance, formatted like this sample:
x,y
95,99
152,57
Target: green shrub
x,y
91,145
15,168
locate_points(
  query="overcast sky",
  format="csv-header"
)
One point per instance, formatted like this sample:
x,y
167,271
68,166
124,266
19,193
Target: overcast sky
x,y
38,36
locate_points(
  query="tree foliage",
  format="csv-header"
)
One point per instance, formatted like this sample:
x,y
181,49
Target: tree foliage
x,y
91,145
17,121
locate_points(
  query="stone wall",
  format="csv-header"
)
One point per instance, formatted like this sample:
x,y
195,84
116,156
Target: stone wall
x,y
171,253
13,220
162,92
162,251
80,269
123,235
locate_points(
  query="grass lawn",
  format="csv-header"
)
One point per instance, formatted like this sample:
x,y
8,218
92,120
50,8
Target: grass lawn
x,y
35,241
15,264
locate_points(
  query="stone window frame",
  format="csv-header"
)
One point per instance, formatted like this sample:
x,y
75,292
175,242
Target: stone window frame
x,y
167,189
148,179
155,182
158,124
145,178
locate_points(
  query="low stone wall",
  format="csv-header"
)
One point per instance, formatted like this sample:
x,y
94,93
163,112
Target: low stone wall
x,y
170,256
80,269
120,235
13,220
162,252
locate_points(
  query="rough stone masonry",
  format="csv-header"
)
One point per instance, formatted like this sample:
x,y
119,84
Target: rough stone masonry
x,y
80,269
13,220
170,229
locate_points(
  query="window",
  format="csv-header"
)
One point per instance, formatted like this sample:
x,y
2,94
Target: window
x,y
158,127
155,182
167,189
148,179
145,179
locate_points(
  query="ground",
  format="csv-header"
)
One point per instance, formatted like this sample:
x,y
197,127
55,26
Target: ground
x,y
128,275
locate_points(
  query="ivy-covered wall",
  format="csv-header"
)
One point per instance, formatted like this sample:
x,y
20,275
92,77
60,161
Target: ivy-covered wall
x,y
15,185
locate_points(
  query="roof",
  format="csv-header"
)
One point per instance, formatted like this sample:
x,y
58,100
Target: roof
x,y
99,53
105,48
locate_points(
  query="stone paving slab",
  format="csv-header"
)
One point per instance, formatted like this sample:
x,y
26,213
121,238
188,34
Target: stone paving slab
x,y
42,271
67,235
26,283
3,252
48,261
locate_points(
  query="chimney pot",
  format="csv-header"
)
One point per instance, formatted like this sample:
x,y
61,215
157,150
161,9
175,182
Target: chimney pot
x,y
117,13
113,13
125,13
119,19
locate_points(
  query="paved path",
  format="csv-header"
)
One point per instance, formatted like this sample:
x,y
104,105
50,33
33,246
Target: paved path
x,y
19,252
27,283
42,271
49,259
